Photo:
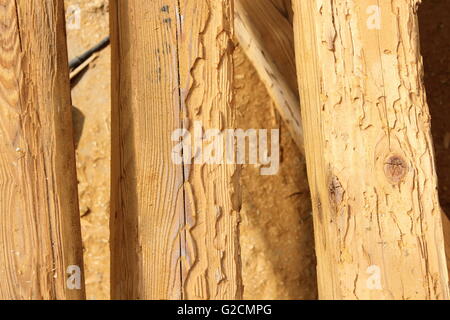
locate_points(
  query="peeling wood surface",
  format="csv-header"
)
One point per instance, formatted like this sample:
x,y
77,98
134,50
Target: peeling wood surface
x,y
40,236
174,228
369,149
212,196
267,38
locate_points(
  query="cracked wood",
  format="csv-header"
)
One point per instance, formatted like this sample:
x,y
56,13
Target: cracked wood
x,y
174,228
369,150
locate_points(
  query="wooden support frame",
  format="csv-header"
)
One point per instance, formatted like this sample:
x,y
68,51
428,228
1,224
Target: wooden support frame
x,y
267,39
40,246
174,227
369,151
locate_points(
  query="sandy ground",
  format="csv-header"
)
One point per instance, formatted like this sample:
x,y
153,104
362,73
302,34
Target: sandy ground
x,y
276,230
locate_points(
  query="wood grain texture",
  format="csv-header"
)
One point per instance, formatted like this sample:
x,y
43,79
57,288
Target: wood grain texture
x,y
40,234
212,263
285,8
369,150
266,36
174,228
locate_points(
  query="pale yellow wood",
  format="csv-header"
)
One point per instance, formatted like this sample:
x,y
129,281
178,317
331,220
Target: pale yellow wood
x,y
266,36
40,238
369,150
212,262
174,231
147,194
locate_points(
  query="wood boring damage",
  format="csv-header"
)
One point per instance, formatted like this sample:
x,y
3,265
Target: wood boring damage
x,y
224,150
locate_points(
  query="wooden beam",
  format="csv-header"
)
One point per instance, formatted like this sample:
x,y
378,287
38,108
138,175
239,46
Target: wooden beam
x,y
285,8
369,151
174,225
40,246
267,39
212,267
446,228
147,188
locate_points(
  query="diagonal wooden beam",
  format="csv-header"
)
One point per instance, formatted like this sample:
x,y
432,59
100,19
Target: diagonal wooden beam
x,y
285,8
266,36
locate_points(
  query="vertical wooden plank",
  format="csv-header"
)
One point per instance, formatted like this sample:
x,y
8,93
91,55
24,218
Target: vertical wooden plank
x,y
40,238
147,195
369,150
212,264
174,228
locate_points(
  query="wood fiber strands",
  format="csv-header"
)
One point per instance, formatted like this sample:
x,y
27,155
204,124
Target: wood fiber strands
x,y
174,226
40,237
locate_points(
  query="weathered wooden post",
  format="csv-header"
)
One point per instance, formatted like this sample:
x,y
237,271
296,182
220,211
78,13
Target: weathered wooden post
x,y
174,225
369,150
40,238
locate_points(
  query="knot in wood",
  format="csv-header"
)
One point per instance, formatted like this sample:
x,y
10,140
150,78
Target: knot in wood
x,y
336,191
395,169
